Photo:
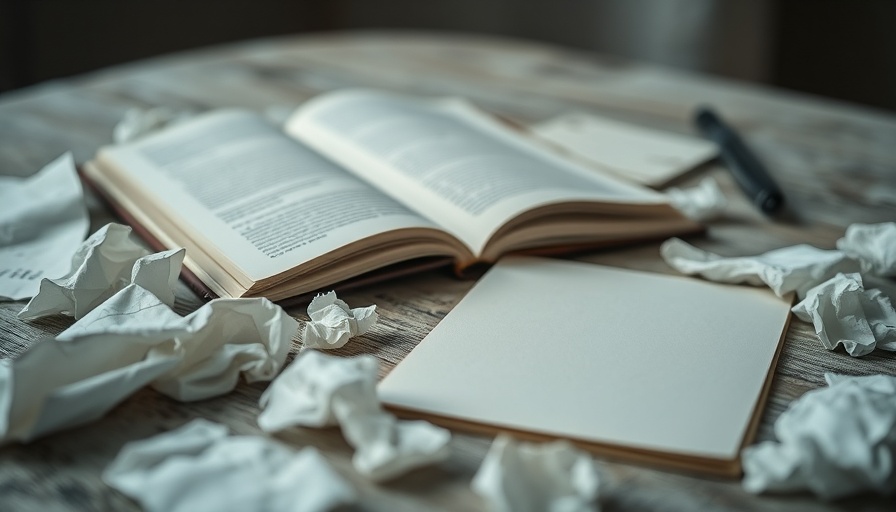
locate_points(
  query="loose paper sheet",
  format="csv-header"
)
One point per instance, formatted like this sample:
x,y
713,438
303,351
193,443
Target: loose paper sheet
x,y
42,221
199,467
833,441
317,390
333,323
132,340
797,268
844,312
874,245
703,202
138,122
642,155
526,477
106,262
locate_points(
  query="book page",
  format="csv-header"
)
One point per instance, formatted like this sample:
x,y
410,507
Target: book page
x,y
235,183
460,168
601,355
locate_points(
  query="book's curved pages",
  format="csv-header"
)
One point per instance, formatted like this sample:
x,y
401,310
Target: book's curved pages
x,y
664,370
358,181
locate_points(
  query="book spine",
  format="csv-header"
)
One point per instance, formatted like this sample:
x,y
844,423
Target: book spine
x,y
186,275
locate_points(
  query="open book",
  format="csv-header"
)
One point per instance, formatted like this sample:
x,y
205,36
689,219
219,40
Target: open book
x,y
359,181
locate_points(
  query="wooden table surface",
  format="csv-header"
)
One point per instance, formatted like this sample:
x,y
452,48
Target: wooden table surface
x,y
835,162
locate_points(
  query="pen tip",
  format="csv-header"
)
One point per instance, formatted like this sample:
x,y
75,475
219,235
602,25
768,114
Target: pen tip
x,y
770,203
704,116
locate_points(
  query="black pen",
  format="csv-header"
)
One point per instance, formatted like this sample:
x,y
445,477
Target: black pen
x,y
748,171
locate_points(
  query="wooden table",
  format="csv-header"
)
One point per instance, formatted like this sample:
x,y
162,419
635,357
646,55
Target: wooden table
x,y
836,164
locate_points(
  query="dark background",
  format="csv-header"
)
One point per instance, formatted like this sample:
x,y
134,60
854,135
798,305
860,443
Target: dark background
x,y
843,49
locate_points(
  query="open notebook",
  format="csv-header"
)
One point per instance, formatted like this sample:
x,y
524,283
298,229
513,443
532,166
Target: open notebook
x,y
658,369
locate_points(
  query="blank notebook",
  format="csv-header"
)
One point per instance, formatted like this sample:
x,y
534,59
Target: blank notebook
x,y
657,369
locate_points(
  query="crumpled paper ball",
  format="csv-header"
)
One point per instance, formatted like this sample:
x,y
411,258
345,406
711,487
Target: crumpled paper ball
x,y
844,312
200,467
333,323
529,477
833,441
319,390
874,245
704,202
104,264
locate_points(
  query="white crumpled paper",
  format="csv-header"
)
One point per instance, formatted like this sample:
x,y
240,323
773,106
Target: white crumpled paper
x,y
527,477
199,467
226,339
829,284
42,221
132,340
797,268
138,122
703,202
844,312
106,262
333,323
317,390
874,245
833,441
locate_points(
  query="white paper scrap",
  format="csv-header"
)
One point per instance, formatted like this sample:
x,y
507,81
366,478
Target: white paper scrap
x,y
833,441
199,467
106,262
527,477
138,122
703,202
844,312
317,390
797,268
129,341
333,323
874,245
638,154
42,221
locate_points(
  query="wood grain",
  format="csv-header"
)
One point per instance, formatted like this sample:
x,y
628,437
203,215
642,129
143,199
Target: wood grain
x,y
835,163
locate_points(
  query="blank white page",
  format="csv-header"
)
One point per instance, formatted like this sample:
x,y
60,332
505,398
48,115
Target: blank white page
x,y
638,154
599,354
